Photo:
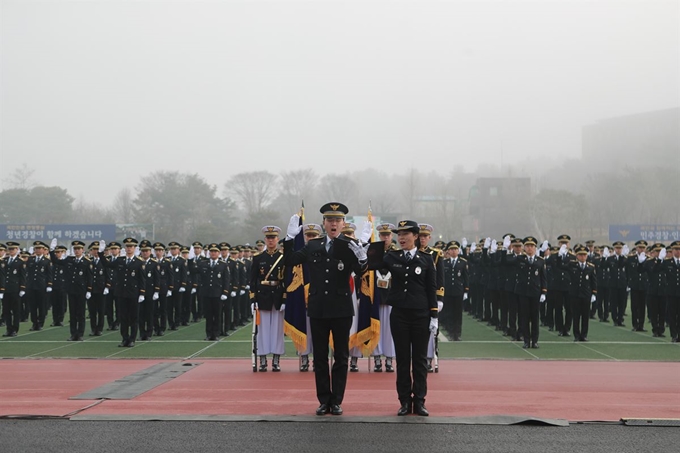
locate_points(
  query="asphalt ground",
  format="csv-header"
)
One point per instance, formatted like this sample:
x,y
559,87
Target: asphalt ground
x,y
101,437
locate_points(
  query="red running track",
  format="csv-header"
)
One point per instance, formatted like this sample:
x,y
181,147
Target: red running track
x,y
572,390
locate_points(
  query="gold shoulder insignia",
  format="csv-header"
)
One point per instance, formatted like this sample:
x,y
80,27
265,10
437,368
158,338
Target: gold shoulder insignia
x,y
463,259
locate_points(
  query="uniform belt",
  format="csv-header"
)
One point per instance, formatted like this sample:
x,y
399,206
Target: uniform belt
x,y
270,282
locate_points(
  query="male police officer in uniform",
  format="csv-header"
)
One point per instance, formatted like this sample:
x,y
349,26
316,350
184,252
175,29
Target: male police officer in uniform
x,y
79,281
330,301
39,284
13,288
96,305
456,287
583,288
214,283
180,284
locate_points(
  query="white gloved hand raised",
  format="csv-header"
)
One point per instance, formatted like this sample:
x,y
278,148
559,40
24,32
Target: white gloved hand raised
x,y
463,243
155,296
169,294
242,292
494,247
53,244
247,287
605,252
544,246
473,247
625,251
102,246
642,257
283,308
223,297
563,250
662,254
434,325
366,232
293,227
48,289
140,299
182,289
30,250
193,290
106,291
593,298
487,243
21,293
506,242
440,305
233,294
542,298
465,296
2,295
88,295
359,250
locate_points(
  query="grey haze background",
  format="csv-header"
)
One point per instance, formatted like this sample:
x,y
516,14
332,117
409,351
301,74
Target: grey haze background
x,y
123,88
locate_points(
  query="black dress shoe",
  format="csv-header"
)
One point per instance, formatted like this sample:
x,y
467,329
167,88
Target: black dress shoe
x,y
534,346
71,339
91,334
336,409
323,409
526,346
405,409
98,333
419,409
122,344
131,344
584,338
13,334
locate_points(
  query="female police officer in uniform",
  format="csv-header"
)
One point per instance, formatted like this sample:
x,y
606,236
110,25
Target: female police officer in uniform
x,y
414,314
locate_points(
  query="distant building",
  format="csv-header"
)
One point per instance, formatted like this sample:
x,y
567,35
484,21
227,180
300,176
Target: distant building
x,y
499,206
639,140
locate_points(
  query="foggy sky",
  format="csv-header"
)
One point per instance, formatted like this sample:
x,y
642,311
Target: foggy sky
x,y
122,88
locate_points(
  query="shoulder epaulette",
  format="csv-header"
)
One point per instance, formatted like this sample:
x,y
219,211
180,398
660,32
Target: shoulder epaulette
x,y
86,258
590,264
462,259
139,258
154,260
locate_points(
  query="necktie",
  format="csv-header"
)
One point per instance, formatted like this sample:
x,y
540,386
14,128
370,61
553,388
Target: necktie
x,y
408,256
128,261
583,266
330,247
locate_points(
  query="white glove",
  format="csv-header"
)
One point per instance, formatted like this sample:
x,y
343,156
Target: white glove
x,y
247,287
642,257
30,250
463,243
465,296
293,227
193,290
506,242
88,295
625,251
494,246
48,289
542,298
662,254
192,255
544,246
233,294
366,231
182,289
169,294
242,292
53,244
140,300
2,295
359,250
605,252
102,246
283,308
628,289
253,308
155,296
223,297
593,298
440,305
473,247
487,243
106,291
434,325
21,293
563,250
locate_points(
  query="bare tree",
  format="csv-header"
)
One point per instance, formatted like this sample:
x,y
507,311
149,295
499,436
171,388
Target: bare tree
x,y
255,190
410,190
21,178
123,207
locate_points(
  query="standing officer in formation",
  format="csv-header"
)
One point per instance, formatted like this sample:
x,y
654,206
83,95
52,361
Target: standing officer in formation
x,y
637,284
59,289
671,268
456,287
79,287
330,301
39,284
425,235
618,283
267,294
583,290
12,288
652,265
560,285
310,231
96,304
178,269
383,284
234,282
112,301
413,297
151,293
213,280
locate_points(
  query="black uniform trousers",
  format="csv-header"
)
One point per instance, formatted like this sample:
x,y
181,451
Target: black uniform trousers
x,y
656,305
38,302
455,305
674,315
477,295
213,310
637,308
580,308
11,307
146,316
618,298
225,322
58,306
112,311
562,310
495,304
602,303
513,309
411,334
160,313
76,312
128,316
245,310
96,307
236,307
330,388
549,305
174,309
505,296
487,306
528,317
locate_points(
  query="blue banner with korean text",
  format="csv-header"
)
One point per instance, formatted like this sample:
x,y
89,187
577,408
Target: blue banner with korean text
x,y
26,234
648,232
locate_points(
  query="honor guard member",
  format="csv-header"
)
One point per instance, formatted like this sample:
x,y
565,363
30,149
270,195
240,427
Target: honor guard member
x,y
656,288
238,284
129,278
383,282
671,267
166,284
268,296
637,282
329,306
583,287
189,294
112,302
456,287
425,236
559,289
96,304
13,288
79,287
39,284
310,231
214,287
178,269
413,297
618,283
196,306
151,293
